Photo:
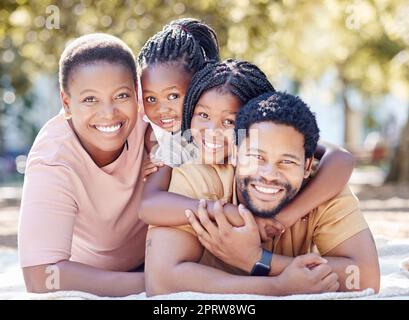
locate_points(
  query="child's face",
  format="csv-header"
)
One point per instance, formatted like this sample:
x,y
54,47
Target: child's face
x,y
163,90
213,125
103,106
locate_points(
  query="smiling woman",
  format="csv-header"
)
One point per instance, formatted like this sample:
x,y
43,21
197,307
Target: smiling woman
x,y
82,189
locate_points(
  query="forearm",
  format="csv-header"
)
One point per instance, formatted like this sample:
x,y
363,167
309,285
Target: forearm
x,y
353,276
167,209
333,174
69,275
184,277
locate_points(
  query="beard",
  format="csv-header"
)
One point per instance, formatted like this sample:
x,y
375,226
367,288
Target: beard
x,y
243,185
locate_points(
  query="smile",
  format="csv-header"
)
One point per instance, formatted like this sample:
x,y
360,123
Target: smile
x,y
109,128
211,146
269,190
167,122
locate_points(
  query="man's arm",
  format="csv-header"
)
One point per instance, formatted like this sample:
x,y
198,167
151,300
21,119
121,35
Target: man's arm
x,y
69,275
356,262
241,248
172,265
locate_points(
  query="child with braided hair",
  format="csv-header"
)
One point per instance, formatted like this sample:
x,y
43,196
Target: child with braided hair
x,y
167,62
215,95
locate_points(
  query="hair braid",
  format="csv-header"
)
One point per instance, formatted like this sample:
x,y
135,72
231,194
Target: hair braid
x,y
186,41
241,78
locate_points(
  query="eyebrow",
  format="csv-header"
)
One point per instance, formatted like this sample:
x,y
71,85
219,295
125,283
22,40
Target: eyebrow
x,y
230,112
166,89
287,155
86,90
92,90
256,150
207,107
202,105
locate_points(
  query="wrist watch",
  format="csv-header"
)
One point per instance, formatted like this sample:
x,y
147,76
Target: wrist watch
x,y
262,267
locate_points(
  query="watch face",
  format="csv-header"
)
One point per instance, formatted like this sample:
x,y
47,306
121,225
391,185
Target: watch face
x,y
260,269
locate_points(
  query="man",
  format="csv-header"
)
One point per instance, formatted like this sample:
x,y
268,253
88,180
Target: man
x,y
274,160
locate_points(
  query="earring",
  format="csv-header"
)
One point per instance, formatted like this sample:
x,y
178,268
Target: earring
x,y
67,116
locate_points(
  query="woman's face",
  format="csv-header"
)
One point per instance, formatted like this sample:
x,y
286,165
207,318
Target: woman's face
x,y
163,90
101,99
212,126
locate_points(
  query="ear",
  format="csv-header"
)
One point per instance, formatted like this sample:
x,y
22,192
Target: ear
x,y
65,101
308,167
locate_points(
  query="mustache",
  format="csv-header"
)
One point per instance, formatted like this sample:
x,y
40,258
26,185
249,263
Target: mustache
x,y
272,183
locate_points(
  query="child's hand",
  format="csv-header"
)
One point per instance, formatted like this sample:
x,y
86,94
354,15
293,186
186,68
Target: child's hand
x,y
150,167
269,228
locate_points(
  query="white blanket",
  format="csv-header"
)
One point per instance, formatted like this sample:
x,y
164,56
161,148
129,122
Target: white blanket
x,y
394,262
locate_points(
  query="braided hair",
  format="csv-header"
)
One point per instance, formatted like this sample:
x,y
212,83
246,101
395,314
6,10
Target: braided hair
x,y
187,41
240,78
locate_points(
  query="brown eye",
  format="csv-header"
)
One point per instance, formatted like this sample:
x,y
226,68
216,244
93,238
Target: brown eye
x,y
122,96
89,99
150,99
228,122
173,96
203,115
287,162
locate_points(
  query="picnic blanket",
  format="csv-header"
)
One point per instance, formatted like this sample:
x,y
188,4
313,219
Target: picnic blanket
x,y
393,257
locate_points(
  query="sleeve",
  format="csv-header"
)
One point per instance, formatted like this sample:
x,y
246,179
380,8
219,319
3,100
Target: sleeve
x,y
47,215
194,182
338,220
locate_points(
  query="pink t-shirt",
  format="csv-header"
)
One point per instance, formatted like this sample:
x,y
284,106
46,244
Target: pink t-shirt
x,y
73,210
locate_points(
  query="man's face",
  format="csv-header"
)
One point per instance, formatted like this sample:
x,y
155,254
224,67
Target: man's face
x,y
271,168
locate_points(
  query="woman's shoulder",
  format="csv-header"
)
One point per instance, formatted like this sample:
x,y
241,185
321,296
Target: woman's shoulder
x,y
55,144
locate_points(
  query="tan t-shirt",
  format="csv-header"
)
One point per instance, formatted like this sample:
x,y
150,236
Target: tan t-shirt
x,y
327,226
72,209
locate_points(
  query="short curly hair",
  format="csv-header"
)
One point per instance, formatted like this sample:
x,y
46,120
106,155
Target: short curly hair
x,y
280,108
93,48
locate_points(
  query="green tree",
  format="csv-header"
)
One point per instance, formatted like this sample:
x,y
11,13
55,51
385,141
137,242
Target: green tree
x,y
364,41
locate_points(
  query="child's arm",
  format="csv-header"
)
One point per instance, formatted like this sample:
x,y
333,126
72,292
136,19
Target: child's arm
x,y
334,170
162,208
150,139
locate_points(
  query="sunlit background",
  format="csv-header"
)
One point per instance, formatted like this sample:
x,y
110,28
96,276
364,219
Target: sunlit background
x,y
349,60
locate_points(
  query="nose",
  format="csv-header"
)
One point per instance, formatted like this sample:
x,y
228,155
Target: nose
x,y
163,108
270,172
108,111
212,131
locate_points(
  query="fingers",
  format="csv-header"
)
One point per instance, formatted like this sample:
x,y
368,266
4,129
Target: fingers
x,y
334,287
200,231
247,216
151,167
205,219
321,271
273,232
278,226
330,282
219,216
309,259
264,235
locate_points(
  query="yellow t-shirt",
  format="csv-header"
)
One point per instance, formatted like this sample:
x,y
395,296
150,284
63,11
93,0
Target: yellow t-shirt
x,y
327,226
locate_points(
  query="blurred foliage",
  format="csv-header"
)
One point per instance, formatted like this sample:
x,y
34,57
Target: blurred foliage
x,y
366,42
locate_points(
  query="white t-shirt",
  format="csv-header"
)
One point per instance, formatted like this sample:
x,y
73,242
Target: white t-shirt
x,y
172,148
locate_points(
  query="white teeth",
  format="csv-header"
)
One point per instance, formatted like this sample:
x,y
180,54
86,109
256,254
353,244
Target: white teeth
x,y
109,128
267,190
167,120
212,145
